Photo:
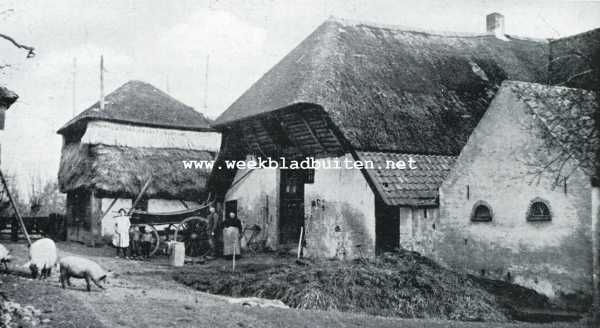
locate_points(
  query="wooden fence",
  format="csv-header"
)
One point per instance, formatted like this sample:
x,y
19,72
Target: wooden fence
x,y
53,226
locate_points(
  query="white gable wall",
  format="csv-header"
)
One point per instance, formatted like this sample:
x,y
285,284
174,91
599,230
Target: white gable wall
x,y
551,257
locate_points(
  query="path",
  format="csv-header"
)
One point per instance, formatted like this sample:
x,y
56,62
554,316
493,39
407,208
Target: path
x,y
142,294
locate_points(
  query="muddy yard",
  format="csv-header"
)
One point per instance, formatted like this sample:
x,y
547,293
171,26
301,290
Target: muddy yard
x,y
145,294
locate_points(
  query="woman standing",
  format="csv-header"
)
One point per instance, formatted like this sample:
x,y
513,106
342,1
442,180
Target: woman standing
x,y
121,233
232,234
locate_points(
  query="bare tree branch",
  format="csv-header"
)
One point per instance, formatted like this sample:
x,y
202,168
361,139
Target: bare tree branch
x,y
31,50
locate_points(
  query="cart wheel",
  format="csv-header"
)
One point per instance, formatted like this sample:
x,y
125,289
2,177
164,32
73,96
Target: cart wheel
x,y
193,232
155,237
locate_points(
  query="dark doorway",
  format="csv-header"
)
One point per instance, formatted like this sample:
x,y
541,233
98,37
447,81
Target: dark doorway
x,y
387,227
292,205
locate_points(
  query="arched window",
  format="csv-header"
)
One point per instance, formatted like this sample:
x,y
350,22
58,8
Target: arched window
x,y
482,212
539,210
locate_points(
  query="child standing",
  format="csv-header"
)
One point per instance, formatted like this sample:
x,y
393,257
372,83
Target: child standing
x,y
146,237
134,242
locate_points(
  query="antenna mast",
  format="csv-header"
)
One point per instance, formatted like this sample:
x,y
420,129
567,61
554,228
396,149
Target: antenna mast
x,y
74,85
206,84
102,82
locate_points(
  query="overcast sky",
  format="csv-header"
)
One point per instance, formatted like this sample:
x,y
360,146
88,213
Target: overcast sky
x,y
166,43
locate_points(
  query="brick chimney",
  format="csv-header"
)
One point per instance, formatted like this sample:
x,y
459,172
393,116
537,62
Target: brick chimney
x,y
495,25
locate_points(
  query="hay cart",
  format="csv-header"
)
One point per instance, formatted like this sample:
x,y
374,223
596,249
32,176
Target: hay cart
x,y
189,226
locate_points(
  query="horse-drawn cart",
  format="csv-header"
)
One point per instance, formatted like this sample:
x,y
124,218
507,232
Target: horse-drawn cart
x,y
189,226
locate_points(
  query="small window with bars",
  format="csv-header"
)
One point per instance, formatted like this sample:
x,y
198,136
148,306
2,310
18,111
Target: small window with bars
x,y
539,210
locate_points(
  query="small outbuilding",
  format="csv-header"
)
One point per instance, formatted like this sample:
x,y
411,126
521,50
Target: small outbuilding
x,y
109,152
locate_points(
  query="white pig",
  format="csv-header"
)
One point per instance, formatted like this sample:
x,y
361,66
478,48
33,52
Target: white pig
x,y
82,268
5,256
42,257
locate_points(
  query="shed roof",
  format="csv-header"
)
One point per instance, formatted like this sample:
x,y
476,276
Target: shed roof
x,y
409,187
140,103
388,88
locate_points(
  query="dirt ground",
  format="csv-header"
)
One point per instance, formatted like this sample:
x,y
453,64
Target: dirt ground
x,y
144,294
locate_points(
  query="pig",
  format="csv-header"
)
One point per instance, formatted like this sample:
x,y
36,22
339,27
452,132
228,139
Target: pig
x,y
42,257
82,268
5,256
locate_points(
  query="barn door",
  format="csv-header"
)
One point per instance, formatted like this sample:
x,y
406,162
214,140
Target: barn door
x,y
292,205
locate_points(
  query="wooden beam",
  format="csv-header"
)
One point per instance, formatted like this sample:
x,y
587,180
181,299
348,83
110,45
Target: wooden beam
x,y
292,139
184,203
139,197
108,209
312,133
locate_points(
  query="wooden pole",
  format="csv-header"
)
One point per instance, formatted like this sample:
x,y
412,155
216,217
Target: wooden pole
x,y
139,197
74,86
234,251
14,206
300,242
102,82
596,256
102,215
206,84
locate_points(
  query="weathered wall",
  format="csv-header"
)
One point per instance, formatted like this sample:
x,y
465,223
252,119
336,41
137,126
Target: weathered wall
x,y
257,195
418,230
552,257
340,214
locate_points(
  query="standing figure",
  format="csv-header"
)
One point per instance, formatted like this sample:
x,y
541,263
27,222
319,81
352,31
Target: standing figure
x,y
146,241
121,233
134,241
232,234
214,228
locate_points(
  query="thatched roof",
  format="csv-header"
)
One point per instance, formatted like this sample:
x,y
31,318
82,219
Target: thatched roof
x,y
575,61
140,103
569,116
391,88
114,170
409,187
7,97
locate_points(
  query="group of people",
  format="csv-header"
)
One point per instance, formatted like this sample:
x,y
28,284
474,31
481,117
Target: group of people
x,y
225,235
137,240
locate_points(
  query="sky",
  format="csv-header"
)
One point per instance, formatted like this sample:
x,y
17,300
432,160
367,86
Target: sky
x,y
205,53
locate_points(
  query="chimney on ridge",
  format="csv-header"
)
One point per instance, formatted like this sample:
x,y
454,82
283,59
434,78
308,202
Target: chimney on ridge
x,y
495,25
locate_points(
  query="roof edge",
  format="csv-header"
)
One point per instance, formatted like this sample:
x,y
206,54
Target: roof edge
x,y
293,106
69,126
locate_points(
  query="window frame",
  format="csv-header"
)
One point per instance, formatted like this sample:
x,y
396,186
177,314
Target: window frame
x,y
474,210
538,218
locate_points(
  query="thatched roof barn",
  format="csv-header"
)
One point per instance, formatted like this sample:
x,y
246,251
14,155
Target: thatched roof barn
x,y
141,132
393,88
110,152
353,86
371,93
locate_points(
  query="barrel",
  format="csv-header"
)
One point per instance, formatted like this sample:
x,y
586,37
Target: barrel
x,y
177,254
